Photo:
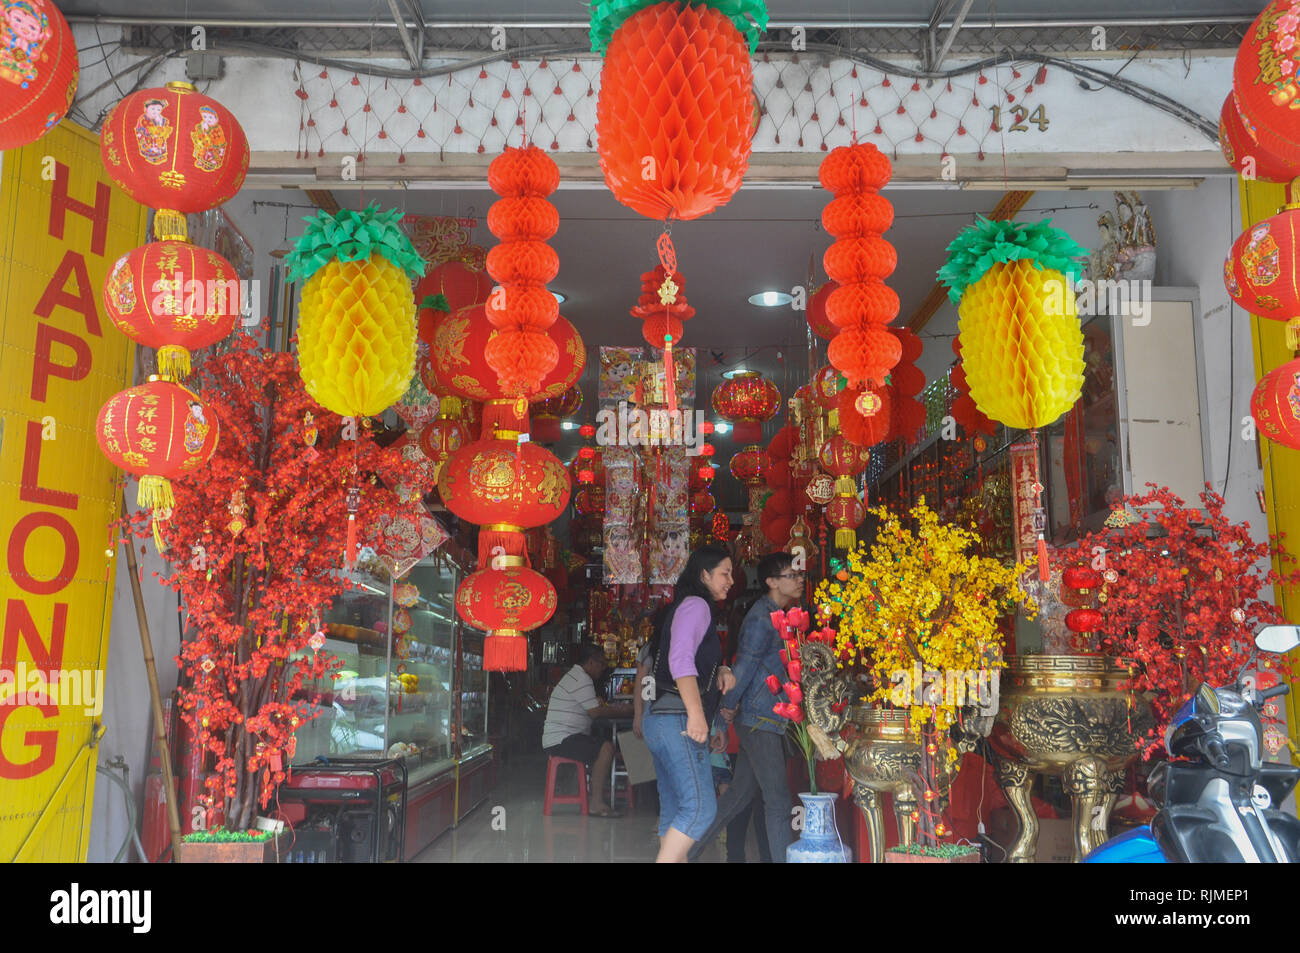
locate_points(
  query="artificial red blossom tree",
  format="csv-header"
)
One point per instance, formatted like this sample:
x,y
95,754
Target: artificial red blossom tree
x,y
1182,596
253,541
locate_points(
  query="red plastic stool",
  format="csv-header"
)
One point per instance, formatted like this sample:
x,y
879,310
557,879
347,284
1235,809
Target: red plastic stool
x,y
552,769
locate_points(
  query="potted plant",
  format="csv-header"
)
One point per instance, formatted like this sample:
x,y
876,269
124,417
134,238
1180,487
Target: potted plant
x,y
920,609
254,541
809,659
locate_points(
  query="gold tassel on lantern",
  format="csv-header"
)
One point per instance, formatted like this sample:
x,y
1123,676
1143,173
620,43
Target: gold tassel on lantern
x,y
155,493
170,226
846,537
173,362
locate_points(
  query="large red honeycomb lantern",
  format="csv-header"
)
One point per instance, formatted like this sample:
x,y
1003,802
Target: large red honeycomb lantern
x,y
676,111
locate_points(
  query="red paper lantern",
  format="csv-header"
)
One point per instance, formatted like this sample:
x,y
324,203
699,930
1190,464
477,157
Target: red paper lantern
x,y
157,431
524,218
457,363
842,459
38,71
505,603
845,514
1275,405
1264,81
175,297
675,115
865,415
818,320
589,501
827,384
1081,577
702,504
701,477
872,301
748,400
1244,154
462,286
442,437
1083,620
854,169
783,443
865,354
1259,272
484,483
747,465
174,150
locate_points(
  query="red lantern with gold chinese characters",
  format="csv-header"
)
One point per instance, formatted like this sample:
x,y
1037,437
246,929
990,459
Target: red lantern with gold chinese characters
x,y
1265,83
1260,272
175,297
843,460
1275,405
748,400
157,431
505,603
1244,154
845,514
38,71
176,151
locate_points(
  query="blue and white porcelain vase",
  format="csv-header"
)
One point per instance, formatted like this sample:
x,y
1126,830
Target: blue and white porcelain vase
x,y
819,842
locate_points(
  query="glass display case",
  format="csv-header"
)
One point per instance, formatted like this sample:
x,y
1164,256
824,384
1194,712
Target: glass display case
x,y
411,682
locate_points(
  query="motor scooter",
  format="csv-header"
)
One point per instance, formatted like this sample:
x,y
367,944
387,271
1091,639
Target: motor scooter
x,y
1219,800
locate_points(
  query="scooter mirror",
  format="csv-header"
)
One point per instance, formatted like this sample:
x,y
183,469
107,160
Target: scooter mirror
x,y
1278,638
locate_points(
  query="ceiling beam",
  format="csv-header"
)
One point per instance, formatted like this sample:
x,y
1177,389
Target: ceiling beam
x,y
323,199
1010,205
403,31
952,34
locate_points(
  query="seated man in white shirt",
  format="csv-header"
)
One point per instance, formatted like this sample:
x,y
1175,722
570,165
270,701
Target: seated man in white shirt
x,y
567,732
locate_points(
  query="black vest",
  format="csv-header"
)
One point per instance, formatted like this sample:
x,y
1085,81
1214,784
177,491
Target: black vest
x,y
708,659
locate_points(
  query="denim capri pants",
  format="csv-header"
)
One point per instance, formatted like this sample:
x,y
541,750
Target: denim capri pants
x,y
685,775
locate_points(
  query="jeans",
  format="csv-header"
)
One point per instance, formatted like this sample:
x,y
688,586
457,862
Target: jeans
x,y
684,772
738,833
760,767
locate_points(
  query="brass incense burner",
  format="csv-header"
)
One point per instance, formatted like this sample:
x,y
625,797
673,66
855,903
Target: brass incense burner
x,y
1071,716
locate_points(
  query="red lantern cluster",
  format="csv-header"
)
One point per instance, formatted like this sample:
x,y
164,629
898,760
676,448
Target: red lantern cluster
x,y
905,384
845,512
964,411
676,111
38,71
859,260
748,400
1275,405
176,151
521,307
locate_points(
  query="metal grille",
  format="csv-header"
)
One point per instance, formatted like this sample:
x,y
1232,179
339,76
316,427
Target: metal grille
x,y
383,40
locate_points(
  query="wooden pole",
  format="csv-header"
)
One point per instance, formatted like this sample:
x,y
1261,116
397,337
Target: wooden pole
x,y
155,698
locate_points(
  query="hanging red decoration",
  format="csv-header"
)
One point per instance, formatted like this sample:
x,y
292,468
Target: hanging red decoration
x,y
859,261
1246,155
547,414
459,287
38,71
866,415
1265,84
176,151
747,465
521,308
748,400
156,431
505,603
676,111
818,320
1083,620
1080,577
845,514
1259,272
457,363
702,504
175,297
442,437
1275,405
662,307
701,476
721,527
483,482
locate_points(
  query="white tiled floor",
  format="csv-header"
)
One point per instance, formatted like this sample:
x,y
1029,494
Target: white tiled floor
x,y
520,834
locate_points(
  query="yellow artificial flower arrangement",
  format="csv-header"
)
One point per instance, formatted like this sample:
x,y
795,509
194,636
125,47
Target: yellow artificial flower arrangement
x,y
921,597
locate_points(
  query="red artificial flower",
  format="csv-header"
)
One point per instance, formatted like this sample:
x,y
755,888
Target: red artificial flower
x,y
773,684
793,692
795,714
798,618
779,623
785,658
795,668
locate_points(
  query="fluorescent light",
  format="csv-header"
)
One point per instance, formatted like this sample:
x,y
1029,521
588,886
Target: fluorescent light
x,y
722,428
568,425
734,372
559,298
770,299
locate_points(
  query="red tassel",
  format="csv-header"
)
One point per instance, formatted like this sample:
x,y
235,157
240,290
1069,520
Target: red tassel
x,y
1044,567
670,376
505,653
350,556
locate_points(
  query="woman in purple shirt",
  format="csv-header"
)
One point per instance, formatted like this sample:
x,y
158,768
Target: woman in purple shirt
x,y
686,682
